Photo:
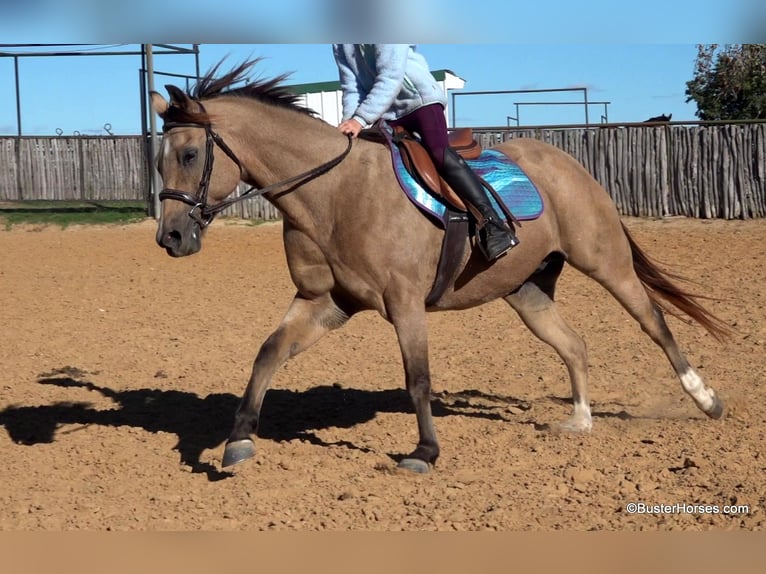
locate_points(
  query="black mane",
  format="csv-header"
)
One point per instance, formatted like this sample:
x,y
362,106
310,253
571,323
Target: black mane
x,y
270,91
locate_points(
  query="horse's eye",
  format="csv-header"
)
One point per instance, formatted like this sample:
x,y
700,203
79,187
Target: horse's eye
x,y
189,156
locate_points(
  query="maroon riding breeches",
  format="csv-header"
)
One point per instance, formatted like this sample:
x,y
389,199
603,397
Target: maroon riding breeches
x,y
428,122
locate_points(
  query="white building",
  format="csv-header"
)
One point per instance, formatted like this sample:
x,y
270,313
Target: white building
x,y
325,97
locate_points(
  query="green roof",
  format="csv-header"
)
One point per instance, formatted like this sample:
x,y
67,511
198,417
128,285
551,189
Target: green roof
x,y
316,87
440,75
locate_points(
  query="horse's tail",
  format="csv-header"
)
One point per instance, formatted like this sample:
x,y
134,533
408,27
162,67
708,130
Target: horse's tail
x,y
662,291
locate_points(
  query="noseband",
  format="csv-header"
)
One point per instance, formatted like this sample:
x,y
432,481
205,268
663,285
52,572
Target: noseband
x,y
200,211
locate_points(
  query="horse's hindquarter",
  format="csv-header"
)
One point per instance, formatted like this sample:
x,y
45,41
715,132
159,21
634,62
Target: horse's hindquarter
x,y
579,220
579,214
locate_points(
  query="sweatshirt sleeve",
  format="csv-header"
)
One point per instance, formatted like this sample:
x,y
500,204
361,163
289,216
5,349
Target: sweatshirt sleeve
x,y
390,66
348,83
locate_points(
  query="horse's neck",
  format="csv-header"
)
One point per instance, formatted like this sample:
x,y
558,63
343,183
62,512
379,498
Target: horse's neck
x,y
280,144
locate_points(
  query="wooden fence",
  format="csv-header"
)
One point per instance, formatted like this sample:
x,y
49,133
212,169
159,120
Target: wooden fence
x,y
73,168
88,168
706,171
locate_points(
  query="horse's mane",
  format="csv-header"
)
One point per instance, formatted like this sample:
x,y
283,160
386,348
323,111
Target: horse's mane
x,y
269,91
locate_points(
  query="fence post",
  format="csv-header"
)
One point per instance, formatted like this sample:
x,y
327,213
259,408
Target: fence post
x,y
17,151
668,175
81,156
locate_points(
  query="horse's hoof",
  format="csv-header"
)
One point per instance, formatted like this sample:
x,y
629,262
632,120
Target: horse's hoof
x,y
574,425
717,411
238,451
415,465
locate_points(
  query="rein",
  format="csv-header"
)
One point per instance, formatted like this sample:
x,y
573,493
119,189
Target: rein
x,y
203,213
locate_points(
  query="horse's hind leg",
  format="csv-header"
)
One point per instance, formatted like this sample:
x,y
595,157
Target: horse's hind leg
x,y
306,321
619,277
533,301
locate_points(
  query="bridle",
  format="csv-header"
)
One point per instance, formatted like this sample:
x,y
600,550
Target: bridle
x,y
200,211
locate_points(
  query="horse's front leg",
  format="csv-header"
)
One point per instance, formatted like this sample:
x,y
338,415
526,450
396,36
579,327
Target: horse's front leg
x,y
306,321
409,321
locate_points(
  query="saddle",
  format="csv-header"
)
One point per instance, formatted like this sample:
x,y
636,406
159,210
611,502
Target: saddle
x,y
418,162
421,166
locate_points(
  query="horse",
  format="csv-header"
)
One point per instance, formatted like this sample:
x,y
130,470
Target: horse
x,y
660,118
354,242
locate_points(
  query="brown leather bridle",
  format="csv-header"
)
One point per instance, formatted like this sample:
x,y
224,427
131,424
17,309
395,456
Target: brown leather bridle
x,y
200,211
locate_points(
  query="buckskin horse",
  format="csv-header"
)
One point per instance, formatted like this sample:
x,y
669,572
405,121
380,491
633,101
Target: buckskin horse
x,y
354,242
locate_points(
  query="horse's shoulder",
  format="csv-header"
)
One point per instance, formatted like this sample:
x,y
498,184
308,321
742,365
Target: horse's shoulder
x,y
308,265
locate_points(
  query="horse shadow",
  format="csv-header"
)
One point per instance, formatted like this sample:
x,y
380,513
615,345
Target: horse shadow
x,y
202,423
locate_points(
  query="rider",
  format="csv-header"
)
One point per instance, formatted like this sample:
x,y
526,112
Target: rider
x,y
393,82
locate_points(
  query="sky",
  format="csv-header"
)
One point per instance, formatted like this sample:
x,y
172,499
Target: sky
x,y
83,94
638,57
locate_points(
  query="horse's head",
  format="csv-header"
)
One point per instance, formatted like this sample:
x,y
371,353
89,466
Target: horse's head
x,y
197,168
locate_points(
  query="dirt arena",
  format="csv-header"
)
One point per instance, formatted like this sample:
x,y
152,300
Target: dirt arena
x,y
122,368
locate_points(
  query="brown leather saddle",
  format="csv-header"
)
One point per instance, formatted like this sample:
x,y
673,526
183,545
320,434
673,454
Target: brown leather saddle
x,y
419,163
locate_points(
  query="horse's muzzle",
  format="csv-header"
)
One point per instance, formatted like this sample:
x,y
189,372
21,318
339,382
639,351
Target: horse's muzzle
x,y
181,239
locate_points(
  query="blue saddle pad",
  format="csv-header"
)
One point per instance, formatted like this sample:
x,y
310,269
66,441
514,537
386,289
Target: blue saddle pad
x,y
513,186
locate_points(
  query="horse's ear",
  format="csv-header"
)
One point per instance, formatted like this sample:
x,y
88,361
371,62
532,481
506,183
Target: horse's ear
x,y
178,97
159,103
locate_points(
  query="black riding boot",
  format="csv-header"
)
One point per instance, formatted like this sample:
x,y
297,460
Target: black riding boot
x,y
495,237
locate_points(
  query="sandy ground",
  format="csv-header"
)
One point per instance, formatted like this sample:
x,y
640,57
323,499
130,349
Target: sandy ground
x,y
122,368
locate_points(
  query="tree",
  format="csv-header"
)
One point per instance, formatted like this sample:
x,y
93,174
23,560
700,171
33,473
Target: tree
x,y
729,82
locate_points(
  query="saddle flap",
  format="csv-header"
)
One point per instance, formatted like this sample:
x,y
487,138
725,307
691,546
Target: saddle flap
x,y
417,161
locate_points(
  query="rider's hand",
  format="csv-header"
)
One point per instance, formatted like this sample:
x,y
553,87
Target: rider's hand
x,y
350,127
